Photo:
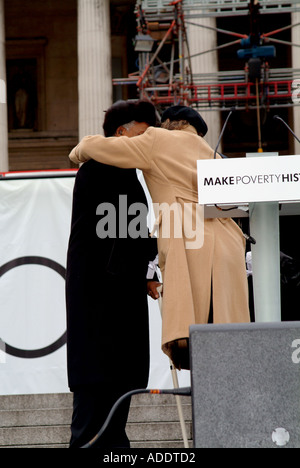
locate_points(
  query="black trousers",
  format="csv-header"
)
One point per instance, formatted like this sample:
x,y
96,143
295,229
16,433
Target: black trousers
x,y
91,406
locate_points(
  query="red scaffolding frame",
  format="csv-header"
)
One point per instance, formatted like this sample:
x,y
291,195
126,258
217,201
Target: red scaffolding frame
x,y
181,86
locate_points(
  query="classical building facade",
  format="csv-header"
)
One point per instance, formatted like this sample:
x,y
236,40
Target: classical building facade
x,y
56,58
57,61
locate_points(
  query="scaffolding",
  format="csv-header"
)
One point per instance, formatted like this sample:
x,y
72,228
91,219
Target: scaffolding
x,y
165,74
163,9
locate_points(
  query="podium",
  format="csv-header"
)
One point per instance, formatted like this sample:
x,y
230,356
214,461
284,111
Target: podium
x,y
262,186
246,377
246,385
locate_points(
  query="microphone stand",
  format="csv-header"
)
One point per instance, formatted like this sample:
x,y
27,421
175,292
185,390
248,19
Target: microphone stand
x,y
215,154
289,128
221,134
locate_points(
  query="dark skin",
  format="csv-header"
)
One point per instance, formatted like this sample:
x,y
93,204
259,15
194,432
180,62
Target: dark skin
x,y
152,289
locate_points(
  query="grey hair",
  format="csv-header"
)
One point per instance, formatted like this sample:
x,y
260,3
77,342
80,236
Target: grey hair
x,y
175,124
128,125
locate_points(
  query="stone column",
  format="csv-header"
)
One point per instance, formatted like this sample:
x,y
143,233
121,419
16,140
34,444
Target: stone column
x,y
201,39
94,64
3,106
296,64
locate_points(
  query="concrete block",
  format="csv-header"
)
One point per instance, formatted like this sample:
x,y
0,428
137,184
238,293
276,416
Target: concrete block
x,y
246,385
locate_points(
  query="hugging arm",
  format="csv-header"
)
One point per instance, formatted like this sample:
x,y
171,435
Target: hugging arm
x,y
122,152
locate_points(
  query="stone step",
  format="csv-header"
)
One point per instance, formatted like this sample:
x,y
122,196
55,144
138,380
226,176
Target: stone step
x,y
63,400
36,401
35,417
43,420
166,413
153,444
162,431
35,435
58,435
61,416
160,444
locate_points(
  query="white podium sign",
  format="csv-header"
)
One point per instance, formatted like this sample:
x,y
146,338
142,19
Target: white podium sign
x,y
262,182
245,180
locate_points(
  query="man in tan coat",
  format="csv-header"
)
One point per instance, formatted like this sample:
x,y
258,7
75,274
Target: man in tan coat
x,y
209,268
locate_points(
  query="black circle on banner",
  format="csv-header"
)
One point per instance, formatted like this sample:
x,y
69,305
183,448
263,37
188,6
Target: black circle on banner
x,y
41,352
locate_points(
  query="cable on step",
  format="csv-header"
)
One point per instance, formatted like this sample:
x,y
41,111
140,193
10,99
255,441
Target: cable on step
x,y
186,391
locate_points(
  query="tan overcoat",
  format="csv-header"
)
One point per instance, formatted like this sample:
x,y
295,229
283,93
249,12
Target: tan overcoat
x,y
168,160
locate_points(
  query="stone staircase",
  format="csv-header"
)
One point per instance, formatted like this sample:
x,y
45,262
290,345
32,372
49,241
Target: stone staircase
x,y
43,421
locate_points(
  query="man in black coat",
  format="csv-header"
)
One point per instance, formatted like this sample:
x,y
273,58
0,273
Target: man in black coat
x,y
106,287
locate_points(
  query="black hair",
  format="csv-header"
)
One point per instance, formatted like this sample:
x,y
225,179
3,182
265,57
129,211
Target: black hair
x,y
122,112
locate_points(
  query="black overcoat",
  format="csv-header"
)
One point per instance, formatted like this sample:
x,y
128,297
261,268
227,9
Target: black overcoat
x,y
106,297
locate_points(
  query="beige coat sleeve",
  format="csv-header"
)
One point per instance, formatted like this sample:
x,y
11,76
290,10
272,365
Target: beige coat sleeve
x,y
135,152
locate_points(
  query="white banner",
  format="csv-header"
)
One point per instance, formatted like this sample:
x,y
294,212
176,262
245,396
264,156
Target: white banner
x,y
34,226
35,216
243,180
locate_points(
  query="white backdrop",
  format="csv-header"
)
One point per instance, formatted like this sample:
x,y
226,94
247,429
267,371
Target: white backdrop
x,y
35,216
